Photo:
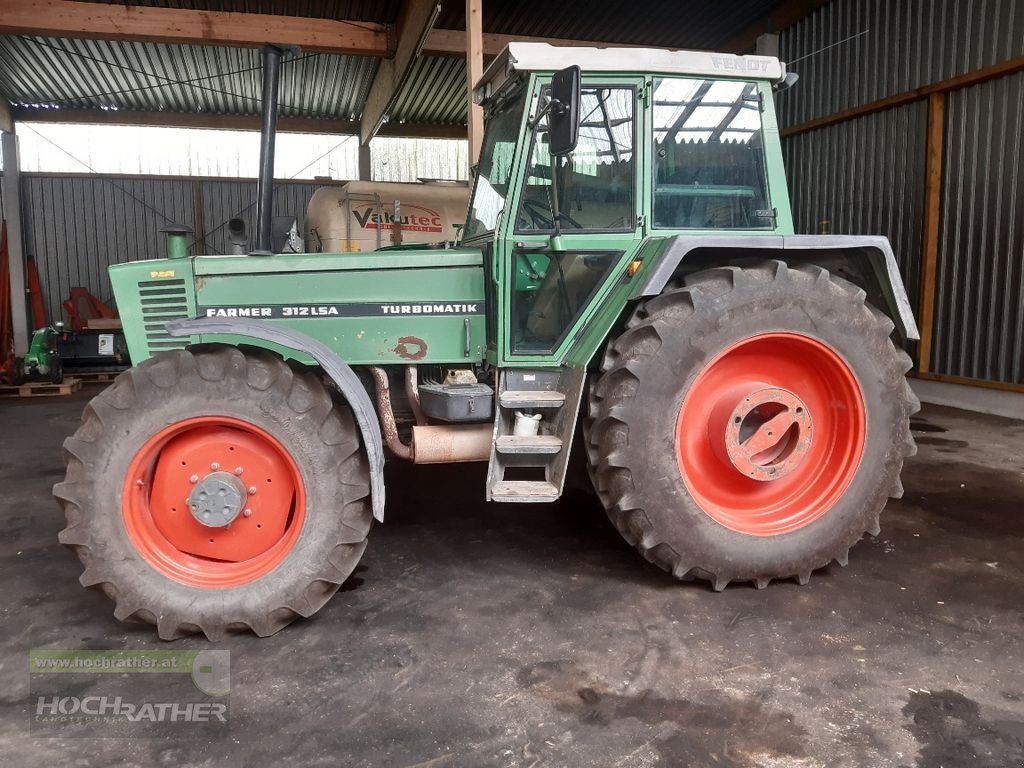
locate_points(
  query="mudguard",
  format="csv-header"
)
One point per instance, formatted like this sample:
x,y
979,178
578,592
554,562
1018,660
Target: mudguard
x,y
866,261
339,371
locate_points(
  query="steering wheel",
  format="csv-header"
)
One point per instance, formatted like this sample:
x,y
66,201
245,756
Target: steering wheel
x,y
540,216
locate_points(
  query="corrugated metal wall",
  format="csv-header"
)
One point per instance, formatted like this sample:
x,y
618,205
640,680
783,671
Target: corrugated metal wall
x,y
979,319
77,226
867,176
852,52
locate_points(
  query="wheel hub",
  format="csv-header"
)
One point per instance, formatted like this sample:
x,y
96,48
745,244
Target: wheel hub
x,y
768,433
213,501
217,499
771,433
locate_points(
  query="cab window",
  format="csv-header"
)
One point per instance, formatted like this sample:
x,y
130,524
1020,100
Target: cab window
x,y
597,189
709,156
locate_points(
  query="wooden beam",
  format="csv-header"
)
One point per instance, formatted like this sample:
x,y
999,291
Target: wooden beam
x,y
6,121
932,220
908,97
1004,386
71,18
474,71
414,23
452,42
785,15
229,122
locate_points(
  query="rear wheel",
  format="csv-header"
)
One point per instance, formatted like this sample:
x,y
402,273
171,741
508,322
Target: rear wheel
x,y
214,490
751,424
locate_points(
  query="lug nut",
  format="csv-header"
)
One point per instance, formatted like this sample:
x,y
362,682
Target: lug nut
x,y
215,466
247,513
139,482
252,489
194,479
238,470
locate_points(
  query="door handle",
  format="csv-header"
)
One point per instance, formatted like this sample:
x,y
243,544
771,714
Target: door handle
x,y
524,247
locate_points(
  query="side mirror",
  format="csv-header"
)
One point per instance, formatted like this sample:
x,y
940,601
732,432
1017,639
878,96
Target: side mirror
x,y
564,111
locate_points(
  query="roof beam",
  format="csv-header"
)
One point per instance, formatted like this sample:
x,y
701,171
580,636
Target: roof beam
x,y
452,42
229,122
102,21
785,15
71,18
414,24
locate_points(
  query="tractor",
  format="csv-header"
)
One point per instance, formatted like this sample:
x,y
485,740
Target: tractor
x,y
627,275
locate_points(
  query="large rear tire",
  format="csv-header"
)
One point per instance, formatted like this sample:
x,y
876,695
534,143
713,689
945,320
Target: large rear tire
x,y
183,427
751,424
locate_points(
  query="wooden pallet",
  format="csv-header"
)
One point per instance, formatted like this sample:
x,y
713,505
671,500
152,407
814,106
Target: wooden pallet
x,y
42,389
97,377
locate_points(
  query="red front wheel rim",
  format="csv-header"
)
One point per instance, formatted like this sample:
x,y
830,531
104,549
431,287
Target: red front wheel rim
x,y
213,502
771,433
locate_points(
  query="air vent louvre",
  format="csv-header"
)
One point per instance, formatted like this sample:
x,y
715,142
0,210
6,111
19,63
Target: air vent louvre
x,y
162,302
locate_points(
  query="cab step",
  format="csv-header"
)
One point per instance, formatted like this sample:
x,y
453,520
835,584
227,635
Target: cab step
x,y
532,399
524,490
534,444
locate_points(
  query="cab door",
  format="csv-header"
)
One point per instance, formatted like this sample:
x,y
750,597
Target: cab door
x,y
551,286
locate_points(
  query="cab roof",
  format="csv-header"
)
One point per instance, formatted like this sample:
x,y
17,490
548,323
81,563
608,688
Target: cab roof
x,y
544,57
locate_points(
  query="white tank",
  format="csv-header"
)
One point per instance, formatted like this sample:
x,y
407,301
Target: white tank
x,y
360,215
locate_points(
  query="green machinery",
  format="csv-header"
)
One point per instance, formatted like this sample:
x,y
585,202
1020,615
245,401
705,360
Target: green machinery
x,y
628,274
42,360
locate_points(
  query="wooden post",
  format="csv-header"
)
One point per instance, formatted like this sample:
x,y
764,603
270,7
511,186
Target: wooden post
x,y
474,71
6,121
932,220
15,246
365,163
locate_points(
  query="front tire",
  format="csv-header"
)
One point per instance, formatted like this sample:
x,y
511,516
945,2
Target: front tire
x,y
294,513
751,424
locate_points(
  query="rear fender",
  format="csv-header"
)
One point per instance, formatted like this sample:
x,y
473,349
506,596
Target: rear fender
x,y
868,262
337,369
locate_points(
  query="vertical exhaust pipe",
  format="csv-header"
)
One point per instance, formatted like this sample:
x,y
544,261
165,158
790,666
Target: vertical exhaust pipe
x,y
272,55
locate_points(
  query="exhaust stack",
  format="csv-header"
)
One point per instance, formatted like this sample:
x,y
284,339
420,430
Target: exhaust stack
x,y
272,55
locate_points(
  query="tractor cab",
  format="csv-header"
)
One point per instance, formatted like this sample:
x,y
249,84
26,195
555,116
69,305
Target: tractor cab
x,y
582,168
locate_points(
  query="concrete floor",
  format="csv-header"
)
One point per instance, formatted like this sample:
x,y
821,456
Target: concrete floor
x,y
488,635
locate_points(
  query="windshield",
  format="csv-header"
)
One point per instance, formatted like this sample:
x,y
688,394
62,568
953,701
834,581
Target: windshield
x,y
494,168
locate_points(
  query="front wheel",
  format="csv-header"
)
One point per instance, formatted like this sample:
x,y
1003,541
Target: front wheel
x,y
214,490
56,370
751,424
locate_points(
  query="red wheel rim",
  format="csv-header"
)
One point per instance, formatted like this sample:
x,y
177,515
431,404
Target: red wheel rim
x,y
163,515
771,433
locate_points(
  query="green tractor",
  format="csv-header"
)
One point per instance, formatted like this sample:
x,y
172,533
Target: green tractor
x,y
627,268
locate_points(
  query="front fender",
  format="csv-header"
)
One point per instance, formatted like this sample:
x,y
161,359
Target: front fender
x,y
339,371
